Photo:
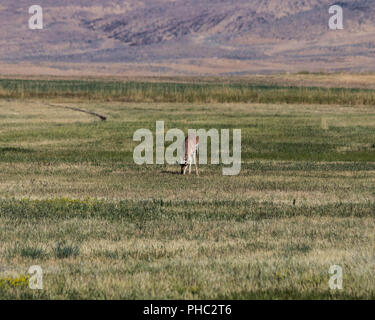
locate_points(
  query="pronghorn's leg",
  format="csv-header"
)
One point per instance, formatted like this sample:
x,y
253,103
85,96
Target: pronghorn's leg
x,y
196,164
190,167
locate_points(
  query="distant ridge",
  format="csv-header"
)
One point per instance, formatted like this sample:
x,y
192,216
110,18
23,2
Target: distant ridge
x,y
186,37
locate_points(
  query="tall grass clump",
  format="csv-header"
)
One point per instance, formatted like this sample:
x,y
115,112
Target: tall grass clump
x,y
65,250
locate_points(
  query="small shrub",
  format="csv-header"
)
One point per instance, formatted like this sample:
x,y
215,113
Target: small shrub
x,y
64,250
32,252
25,251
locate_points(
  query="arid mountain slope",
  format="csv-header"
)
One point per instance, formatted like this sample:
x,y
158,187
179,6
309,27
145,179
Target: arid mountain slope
x,y
187,36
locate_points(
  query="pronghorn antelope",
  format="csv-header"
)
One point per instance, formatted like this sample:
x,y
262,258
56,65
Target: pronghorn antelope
x,y
190,148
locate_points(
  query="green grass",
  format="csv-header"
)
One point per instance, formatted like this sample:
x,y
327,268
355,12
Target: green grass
x,y
274,132
131,91
73,201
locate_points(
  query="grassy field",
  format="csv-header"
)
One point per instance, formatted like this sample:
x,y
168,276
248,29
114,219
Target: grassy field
x,y
73,201
185,92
